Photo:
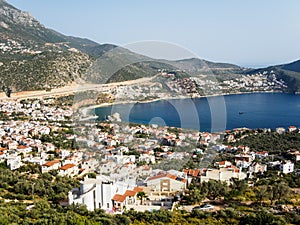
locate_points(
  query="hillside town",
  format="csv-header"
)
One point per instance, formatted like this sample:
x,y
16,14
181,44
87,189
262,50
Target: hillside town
x,y
130,159
172,85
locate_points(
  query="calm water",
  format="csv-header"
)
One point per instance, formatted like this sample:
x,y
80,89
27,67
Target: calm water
x,y
214,113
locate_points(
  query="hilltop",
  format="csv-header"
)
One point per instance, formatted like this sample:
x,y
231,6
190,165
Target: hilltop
x,y
34,57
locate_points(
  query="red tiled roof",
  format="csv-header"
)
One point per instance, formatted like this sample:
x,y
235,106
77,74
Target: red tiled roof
x,y
169,176
190,172
130,193
51,163
22,147
67,166
137,189
156,177
262,153
233,167
118,198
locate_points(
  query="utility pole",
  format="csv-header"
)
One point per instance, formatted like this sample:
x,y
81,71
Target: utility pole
x,y
32,185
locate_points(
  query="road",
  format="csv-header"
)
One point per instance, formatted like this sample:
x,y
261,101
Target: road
x,y
74,88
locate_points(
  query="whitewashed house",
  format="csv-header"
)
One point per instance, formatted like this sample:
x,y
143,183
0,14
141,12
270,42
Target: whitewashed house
x,y
287,167
223,164
90,164
166,182
97,193
69,170
107,167
24,149
14,162
222,174
51,165
257,168
147,158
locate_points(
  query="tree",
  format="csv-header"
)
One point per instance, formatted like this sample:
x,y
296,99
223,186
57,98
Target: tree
x,y
261,218
237,188
216,189
141,196
261,192
278,191
195,196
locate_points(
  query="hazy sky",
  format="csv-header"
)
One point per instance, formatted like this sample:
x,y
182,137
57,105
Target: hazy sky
x,y
248,33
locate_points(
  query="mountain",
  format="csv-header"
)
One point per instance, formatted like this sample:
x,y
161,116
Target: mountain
x,y
22,27
33,57
294,66
290,73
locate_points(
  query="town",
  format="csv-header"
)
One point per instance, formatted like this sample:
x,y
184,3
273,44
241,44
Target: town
x,y
124,166
178,84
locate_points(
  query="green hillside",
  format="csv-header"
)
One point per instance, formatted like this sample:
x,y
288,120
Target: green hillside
x,y
33,57
290,73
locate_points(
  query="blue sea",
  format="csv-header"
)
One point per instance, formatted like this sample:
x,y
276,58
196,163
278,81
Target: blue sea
x,y
212,114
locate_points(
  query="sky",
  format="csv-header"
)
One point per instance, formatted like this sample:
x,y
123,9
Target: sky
x,y
248,33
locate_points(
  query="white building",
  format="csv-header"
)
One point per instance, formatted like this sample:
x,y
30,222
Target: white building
x,y
14,162
287,167
166,182
147,158
24,149
97,193
292,129
223,174
90,164
280,130
257,168
70,170
223,164
108,167
51,165
243,160
64,153
124,159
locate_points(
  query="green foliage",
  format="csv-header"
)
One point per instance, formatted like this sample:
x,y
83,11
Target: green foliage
x,y
59,139
33,184
262,218
54,70
141,196
273,143
138,70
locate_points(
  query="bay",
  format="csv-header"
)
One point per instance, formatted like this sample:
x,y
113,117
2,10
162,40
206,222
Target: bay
x,y
255,110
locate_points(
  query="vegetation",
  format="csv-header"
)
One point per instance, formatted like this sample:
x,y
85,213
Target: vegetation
x,y
54,70
46,213
138,70
271,142
28,183
141,196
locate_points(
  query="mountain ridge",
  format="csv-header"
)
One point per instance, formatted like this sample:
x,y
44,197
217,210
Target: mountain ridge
x,y
34,57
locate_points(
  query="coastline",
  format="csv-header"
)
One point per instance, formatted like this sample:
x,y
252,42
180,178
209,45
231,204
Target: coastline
x,y
86,110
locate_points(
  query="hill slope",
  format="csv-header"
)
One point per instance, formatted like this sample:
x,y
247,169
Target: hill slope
x,y
33,57
290,73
